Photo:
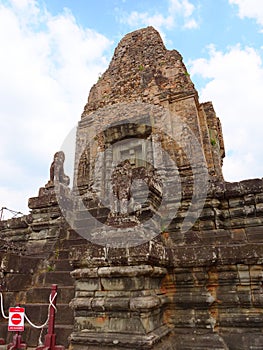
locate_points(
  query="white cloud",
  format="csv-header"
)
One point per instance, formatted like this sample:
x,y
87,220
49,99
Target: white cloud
x,y
191,24
144,18
47,66
250,8
179,13
236,90
184,7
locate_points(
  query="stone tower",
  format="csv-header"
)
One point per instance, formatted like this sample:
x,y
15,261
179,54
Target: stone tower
x,y
142,70
164,228
151,247
144,109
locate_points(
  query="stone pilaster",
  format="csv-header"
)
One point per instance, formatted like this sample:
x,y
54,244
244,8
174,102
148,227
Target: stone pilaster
x,y
118,307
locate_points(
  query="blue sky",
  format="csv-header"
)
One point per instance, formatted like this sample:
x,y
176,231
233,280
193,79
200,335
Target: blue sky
x,y
52,52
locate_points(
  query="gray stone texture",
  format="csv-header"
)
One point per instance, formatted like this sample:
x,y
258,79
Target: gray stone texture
x,y
180,289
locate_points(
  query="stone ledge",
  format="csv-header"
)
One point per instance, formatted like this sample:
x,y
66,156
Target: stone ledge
x,y
142,303
116,341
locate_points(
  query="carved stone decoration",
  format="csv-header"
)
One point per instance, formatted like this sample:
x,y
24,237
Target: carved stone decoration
x,y
83,166
138,285
57,174
121,187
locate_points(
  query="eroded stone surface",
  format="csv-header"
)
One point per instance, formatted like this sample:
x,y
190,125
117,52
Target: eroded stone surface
x,y
196,288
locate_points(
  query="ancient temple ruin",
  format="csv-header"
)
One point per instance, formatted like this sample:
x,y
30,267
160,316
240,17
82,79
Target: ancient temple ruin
x,y
150,246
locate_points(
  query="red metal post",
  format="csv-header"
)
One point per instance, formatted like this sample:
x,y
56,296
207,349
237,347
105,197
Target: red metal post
x,y
50,338
17,343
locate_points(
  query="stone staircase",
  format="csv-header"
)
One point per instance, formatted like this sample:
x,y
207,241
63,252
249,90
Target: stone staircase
x,y
35,298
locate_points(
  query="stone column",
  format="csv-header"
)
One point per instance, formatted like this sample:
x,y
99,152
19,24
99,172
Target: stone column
x,y
118,307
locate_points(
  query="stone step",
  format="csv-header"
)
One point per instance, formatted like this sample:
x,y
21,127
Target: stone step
x,y
82,223
37,313
3,329
62,265
15,281
72,235
31,335
63,254
61,278
41,295
93,210
67,244
62,334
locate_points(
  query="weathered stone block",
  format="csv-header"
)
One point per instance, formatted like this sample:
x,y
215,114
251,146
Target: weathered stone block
x,y
144,303
254,234
91,284
127,271
127,325
92,323
124,283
